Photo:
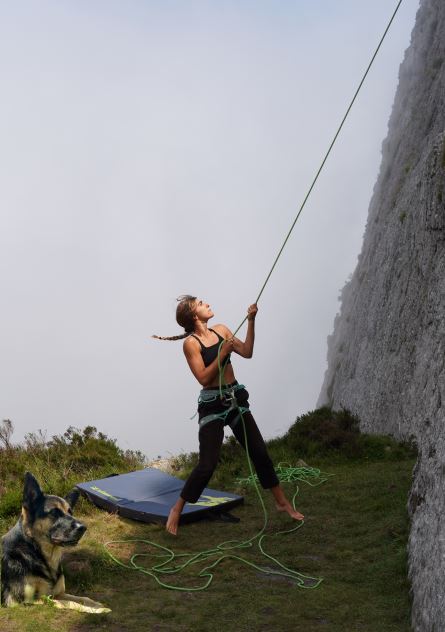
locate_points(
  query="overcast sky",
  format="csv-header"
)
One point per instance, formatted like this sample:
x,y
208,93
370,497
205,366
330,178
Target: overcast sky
x,y
150,149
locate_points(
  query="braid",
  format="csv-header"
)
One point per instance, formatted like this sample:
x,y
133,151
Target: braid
x,y
172,337
185,317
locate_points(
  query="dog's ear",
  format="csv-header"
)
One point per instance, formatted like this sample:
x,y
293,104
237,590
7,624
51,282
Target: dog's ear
x,y
31,492
72,498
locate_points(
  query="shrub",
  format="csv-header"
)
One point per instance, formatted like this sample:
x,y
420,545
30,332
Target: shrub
x,y
324,431
60,463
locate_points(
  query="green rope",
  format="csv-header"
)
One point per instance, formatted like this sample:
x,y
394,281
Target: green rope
x,y
168,557
325,158
288,474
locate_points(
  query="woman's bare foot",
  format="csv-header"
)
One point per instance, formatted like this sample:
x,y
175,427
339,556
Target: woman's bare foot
x,y
293,513
282,503
174,516
173,521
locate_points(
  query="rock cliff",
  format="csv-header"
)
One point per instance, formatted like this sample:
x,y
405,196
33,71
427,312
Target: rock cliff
x,y
386,355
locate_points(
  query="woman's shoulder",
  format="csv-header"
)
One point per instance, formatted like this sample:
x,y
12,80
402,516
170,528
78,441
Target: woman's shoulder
x,y
221,329
190,342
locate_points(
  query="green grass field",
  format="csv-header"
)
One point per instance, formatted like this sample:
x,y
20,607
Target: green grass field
x,y
354,537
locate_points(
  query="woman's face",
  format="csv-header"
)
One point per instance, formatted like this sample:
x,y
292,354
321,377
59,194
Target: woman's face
x,y
202,310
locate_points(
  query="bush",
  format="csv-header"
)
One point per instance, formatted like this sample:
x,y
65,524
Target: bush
x,y
61,463
322,431
325,432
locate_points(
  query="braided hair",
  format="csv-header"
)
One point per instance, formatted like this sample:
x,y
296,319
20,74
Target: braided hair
x,y
185,317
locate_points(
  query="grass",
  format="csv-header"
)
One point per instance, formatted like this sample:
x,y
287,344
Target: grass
x,y
354,537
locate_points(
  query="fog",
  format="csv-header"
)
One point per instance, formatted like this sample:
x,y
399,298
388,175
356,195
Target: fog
x,y
152,149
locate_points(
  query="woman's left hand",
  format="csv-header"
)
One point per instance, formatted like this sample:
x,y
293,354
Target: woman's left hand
x,y
252,311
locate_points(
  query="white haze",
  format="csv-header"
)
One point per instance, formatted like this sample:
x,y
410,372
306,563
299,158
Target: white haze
x,y
151,149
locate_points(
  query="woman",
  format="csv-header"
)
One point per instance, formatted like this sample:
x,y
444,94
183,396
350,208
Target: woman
x,y
201,346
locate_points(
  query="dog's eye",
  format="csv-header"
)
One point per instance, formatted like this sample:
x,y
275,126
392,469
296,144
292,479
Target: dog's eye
x,y
56,513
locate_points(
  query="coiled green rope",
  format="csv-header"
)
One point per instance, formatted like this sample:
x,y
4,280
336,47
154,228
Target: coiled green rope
x,y
287,474
167,565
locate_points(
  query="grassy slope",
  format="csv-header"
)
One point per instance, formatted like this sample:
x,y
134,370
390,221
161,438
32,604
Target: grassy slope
x,y
354,537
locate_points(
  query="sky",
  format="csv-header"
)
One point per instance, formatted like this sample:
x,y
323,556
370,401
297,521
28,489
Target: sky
x,y
150,149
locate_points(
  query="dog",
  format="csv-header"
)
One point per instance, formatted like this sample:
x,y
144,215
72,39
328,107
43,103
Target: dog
x,y
32,551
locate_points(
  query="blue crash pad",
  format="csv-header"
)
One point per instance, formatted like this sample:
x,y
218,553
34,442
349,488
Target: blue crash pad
x,y
149,494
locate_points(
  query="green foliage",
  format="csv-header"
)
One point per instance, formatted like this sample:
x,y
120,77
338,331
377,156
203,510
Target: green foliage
x,y
320,435
355,537
11,502
324,431
60,463
183,463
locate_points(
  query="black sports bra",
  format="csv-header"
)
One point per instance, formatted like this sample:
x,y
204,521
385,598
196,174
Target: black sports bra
x,y
210,353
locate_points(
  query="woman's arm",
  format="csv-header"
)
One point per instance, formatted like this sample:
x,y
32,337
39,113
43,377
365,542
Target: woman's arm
x,y
204,374
244,349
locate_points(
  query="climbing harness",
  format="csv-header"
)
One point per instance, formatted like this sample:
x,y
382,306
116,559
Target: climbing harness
x,y
227,549
228,399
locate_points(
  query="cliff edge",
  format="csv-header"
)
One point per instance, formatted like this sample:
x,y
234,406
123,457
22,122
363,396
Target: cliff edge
x,y
386,355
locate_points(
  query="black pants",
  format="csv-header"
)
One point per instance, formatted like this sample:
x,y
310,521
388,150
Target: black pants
x,y
211,436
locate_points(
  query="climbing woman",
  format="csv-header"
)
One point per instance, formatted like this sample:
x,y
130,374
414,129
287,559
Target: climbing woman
x,y
201,346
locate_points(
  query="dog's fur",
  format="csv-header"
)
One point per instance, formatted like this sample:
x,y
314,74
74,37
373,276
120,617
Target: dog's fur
x,y
32,550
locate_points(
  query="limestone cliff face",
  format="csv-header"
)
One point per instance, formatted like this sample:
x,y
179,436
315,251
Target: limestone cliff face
x,y
386,356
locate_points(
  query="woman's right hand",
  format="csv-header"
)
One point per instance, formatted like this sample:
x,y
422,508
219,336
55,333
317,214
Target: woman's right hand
x,y
227,347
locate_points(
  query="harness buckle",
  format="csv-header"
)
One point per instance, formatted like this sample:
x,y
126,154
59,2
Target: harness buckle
x,y
228,398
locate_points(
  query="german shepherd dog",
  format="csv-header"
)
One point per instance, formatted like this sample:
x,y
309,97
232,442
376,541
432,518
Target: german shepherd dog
x,y
32,551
